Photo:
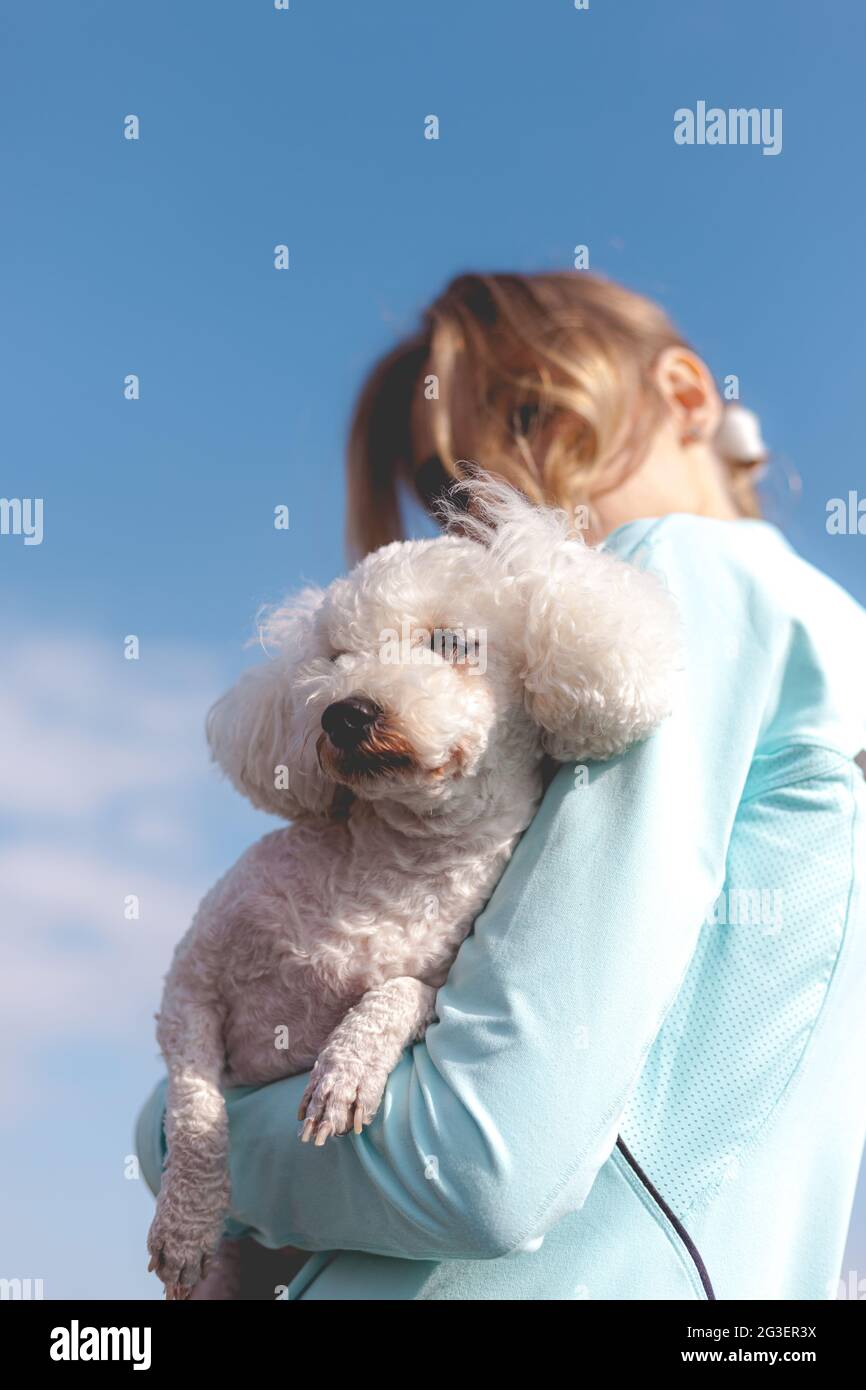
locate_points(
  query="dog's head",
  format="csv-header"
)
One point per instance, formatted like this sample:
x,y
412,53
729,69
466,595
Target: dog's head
x,y
438,664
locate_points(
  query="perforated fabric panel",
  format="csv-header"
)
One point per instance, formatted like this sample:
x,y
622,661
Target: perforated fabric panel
x,y
741,1023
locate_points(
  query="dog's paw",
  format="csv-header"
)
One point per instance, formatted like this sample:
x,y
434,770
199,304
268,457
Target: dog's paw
x,y
342,1095
180,1253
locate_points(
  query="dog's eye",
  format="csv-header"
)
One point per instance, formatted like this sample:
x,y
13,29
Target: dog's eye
x,y
335,656
453,645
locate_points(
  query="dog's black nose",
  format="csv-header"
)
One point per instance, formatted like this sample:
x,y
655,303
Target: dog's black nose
x,y
347,721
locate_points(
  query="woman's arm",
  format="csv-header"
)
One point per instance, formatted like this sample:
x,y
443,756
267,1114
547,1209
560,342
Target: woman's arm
x,y
498,1122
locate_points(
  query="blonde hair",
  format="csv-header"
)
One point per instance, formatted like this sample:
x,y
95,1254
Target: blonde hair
x,y
502,362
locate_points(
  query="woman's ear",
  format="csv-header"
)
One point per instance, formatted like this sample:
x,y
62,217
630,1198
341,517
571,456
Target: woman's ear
x,y
597,640
686,385
256,730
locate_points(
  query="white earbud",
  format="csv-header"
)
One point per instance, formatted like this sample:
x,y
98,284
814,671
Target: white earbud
x,y
738,437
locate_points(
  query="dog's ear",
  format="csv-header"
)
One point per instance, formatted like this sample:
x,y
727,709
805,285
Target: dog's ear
x,y
256,731
598,640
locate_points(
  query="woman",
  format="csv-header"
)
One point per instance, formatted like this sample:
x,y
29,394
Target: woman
x,y
645,1077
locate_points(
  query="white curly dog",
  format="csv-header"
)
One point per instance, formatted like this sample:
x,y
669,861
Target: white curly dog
x,y
401,725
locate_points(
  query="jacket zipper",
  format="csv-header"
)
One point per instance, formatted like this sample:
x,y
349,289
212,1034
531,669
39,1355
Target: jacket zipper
x,y
653,1192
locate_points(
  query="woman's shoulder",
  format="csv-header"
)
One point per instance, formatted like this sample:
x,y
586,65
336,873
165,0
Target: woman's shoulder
x,y
743,559
760,614
699,542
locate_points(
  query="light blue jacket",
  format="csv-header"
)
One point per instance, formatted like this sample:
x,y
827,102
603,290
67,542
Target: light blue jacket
x,y
646,1077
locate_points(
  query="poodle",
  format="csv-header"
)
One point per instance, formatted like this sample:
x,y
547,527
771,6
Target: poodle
x,y
401,725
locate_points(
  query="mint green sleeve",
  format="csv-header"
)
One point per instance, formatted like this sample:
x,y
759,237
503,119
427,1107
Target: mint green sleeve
x,y
497,1124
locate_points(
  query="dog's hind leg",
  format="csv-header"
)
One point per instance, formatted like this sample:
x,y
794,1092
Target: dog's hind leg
x,y
194,1193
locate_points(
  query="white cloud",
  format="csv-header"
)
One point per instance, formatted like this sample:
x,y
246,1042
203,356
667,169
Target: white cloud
x,y
105,791
81,728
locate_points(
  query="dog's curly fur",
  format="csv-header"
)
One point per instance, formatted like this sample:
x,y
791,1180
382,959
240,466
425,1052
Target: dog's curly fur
x,y
324,946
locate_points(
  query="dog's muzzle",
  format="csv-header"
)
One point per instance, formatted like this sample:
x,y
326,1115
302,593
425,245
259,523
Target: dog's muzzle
x,y
347,722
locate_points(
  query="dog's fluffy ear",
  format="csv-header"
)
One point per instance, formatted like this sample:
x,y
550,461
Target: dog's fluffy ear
x,y
599,639
252,731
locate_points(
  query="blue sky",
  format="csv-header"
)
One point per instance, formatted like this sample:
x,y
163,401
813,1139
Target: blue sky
x,y
155,257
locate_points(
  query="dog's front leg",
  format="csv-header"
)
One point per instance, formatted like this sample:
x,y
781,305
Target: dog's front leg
x,y
347,1082
194,1193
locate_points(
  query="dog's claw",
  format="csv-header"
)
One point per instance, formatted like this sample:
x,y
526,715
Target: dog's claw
x,y
181,1248
339,1099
